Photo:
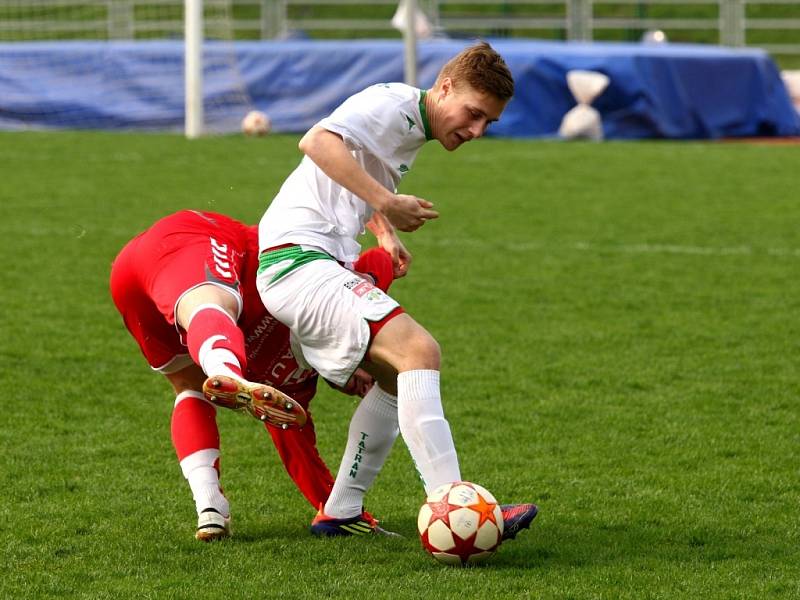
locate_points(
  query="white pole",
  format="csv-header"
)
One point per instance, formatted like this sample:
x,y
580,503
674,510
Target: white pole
x,y
193,65
410,39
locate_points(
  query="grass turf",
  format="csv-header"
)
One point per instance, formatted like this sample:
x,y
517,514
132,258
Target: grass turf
x,y
619,330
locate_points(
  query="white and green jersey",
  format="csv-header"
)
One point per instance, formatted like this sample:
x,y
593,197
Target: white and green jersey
x,y
384,127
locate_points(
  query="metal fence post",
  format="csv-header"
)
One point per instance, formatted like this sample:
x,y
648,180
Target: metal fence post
x,y
193,67
273,19
431,10
410,43
732,26
120,20
579,20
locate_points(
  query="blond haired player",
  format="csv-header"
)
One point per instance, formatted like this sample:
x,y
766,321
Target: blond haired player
x,y
354,160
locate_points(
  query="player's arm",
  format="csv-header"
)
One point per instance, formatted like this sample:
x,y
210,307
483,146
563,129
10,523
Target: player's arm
x,y
359,384
387,238
329,153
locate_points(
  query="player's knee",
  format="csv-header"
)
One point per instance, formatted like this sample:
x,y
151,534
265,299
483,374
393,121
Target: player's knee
x,y
405,345
206,294
432,349
423,351
190,378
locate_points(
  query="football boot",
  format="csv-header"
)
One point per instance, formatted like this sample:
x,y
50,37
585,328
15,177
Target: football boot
x,y
264,402
212,525
363,524
517,517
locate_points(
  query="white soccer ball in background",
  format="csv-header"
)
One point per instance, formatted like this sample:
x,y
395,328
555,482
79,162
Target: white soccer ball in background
x,y
256,123
460,523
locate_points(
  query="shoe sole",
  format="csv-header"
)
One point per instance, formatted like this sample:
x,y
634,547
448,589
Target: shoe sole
x,y
210,534
212,527
344,530
264,402
321,529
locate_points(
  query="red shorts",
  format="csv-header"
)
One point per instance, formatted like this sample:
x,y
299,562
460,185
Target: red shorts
x,y
155,269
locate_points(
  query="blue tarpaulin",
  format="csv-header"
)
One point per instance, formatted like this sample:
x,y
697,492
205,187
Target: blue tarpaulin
x,y
656,91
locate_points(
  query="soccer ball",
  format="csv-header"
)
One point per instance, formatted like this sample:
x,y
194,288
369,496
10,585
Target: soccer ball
x,y
256,123
460,523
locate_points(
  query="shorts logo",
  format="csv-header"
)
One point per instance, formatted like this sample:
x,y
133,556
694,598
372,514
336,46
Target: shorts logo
x,y
363,288
221,263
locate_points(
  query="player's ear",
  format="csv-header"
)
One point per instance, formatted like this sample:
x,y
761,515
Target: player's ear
x,y
445,89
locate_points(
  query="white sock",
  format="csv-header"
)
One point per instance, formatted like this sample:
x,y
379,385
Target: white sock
x,y
198,469
424,428
216,361
373,430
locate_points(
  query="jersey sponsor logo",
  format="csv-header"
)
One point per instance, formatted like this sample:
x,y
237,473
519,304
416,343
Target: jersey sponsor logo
x,y
262,330
409,121
298,375
271,360
403,169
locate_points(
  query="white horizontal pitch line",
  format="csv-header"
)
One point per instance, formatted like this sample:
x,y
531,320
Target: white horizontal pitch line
x,y
621,248
668,249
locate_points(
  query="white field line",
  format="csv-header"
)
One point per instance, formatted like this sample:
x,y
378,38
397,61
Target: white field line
x,y
619,248
694,250
667,249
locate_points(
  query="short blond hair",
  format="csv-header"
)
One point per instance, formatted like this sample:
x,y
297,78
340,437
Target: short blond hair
x,y
482,68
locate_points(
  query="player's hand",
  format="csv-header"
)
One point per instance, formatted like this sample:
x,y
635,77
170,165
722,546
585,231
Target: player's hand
x,y
401,257
359,384
409,213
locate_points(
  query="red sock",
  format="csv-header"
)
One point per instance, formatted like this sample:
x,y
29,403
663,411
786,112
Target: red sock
x,y
377,263
298,451
196,440
215,342
194,426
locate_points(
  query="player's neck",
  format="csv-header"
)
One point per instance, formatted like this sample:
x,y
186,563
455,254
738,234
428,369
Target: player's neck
x,y
433,115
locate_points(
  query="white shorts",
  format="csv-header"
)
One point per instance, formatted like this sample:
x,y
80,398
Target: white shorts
x,y
327,308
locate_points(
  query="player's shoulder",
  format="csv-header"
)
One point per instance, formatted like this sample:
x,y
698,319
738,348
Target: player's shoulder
x,y
217,219
401,91
198,219
388,94
223,229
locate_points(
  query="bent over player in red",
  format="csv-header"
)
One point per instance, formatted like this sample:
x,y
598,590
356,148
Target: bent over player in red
x,y
186,291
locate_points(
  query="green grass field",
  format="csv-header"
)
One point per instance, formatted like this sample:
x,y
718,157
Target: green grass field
x,y
619,324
